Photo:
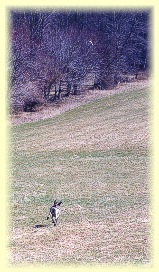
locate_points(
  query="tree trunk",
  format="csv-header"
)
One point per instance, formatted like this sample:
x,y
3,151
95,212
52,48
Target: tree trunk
x,y
75,91
68,89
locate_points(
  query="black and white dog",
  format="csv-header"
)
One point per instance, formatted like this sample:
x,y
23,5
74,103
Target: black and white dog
x,y
54,212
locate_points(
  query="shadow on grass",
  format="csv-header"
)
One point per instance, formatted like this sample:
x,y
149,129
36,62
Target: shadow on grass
x,y
40,226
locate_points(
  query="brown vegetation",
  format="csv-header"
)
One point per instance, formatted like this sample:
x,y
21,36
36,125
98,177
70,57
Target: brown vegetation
x,y
51,110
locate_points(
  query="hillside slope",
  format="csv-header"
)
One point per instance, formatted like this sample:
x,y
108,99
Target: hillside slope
x,y
112,122
72,102
96,159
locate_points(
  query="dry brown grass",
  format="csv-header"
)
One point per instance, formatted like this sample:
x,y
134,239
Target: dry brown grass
x,y
73,102
96,159
119,239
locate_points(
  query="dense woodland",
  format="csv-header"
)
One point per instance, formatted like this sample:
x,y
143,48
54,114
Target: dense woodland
x,y
60,52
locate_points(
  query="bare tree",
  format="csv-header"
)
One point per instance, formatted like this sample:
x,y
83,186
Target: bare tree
x,y
59,49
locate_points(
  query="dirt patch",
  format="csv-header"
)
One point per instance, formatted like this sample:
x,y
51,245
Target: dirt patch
x,y
73,102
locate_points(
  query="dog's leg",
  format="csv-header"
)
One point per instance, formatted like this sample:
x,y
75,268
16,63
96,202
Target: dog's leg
x,y
48,216
54,220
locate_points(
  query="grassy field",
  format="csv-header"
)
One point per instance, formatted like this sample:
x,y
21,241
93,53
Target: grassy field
x,y
96,159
